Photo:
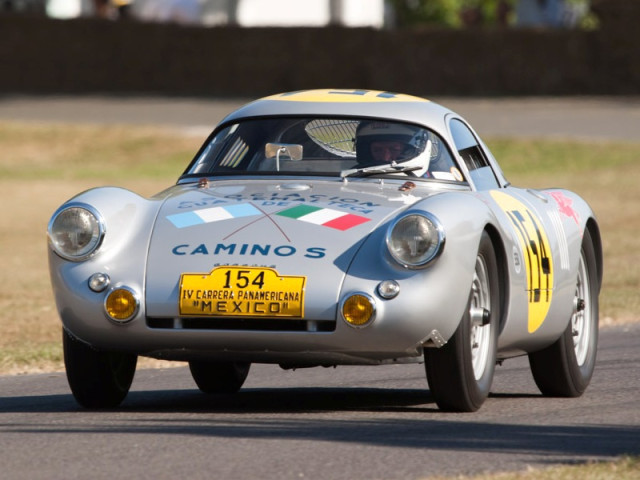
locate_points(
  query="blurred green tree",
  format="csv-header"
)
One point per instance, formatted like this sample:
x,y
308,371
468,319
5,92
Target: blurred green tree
x,y
470,13
451,13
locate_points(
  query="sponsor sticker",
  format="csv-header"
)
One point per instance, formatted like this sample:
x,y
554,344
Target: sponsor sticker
x,y
565,206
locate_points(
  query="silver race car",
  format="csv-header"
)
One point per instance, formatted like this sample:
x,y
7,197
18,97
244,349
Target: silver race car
x,y
330,227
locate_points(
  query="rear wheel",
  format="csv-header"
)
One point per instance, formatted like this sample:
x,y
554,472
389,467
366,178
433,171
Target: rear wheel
x,y
564,369
219,377
97,379
461,372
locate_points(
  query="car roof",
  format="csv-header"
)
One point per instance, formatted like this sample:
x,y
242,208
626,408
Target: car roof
x,y
357,103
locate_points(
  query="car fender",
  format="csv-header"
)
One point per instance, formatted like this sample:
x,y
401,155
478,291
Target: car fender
x,y
128,220
436,296
561,217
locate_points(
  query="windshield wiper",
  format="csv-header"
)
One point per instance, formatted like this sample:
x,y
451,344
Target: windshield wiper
x,y
378,169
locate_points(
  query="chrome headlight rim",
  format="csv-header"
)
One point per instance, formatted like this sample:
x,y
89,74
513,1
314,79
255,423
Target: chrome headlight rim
x,y
438,230
96,243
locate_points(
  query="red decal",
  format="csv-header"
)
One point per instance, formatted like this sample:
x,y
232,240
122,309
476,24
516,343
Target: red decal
x,y
345,222
565,206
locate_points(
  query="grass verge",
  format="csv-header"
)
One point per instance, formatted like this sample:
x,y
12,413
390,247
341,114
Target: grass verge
x,y
625,468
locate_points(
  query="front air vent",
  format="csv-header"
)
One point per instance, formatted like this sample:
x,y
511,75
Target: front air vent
x,y
243,324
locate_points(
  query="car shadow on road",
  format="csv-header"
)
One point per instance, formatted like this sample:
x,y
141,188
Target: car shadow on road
x,y
253,400
405,418
295,400
249,401
370,416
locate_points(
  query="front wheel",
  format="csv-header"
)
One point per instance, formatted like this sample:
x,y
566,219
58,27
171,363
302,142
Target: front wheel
x,y
97,379
564,369
461,372
219,377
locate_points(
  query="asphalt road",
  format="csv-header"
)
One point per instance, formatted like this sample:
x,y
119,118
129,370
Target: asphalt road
x,y
597,118
344,423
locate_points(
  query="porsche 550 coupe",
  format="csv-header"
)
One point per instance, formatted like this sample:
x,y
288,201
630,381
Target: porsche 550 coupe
x,y
324,228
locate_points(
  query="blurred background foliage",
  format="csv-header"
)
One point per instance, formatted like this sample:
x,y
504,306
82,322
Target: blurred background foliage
x,y
455,14
471,13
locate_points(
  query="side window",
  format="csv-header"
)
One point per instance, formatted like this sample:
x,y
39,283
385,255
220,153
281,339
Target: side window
x,y
467,145
473,156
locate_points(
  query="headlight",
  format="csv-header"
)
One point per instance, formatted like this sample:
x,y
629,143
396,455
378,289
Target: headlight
x,y
75,231
415,240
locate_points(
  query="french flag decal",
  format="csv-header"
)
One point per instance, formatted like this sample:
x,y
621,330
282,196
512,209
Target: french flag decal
x,y
324,216
213,214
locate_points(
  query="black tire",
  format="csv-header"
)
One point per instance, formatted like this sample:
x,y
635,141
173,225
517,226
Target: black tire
x,y
461,372
564,369
97,379
219,377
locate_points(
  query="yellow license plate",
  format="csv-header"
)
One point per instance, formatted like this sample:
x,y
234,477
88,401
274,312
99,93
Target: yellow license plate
x,y
242,292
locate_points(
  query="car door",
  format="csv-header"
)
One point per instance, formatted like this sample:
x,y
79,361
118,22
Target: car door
x,y
539,252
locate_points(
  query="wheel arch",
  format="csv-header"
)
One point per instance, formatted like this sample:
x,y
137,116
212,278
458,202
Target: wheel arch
x,y
503,271
594,232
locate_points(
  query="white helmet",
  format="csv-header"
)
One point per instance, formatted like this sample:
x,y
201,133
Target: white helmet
x,y
413,139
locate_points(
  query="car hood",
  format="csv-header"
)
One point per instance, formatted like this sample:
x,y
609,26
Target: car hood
x,y
308,229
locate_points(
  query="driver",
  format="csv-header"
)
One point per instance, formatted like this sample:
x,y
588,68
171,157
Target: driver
x,y
378,143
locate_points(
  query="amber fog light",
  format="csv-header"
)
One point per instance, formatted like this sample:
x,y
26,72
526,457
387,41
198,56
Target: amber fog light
x,y
121,304
358,310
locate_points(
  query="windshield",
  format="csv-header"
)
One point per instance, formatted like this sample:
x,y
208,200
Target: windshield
x,y
325,146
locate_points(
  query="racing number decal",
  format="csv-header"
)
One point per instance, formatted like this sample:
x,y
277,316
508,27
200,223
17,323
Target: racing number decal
x,y
538,262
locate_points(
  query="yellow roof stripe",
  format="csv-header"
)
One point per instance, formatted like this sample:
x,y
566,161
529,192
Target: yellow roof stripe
x,y
344,96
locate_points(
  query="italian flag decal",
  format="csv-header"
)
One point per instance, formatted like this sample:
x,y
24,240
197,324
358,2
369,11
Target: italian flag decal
x,y
324,216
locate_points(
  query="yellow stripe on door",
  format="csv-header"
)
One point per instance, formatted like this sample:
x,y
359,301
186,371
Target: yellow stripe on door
x,y
537,256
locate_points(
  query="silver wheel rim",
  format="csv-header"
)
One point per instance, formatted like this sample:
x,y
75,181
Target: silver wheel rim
x,y
480,334
581,318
